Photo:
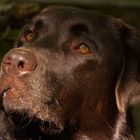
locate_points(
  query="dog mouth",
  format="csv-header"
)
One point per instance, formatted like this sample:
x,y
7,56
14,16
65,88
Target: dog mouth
x,y
6,92
46,125
16,100
9,84
9,94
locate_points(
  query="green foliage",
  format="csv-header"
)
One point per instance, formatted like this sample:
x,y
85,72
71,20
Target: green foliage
x,y
5,5
7,40
136,115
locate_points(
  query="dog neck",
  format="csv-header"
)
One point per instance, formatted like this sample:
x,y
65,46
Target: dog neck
x,y
104,128
120,131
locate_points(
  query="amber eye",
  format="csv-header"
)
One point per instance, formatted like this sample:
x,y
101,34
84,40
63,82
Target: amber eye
x,y
28,36
83,49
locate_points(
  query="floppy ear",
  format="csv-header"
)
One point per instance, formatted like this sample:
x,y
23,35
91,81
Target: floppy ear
x,y
128,85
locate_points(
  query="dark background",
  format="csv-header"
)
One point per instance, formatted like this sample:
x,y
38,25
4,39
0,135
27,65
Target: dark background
x,y
15,13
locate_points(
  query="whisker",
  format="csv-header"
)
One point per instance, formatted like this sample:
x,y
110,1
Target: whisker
x,y
56,101
22,127
108,124
21,120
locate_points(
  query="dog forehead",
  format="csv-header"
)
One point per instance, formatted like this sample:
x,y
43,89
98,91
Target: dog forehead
x,y
60,10
56,15
61,19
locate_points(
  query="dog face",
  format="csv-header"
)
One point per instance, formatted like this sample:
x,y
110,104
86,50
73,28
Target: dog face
x,y
70,65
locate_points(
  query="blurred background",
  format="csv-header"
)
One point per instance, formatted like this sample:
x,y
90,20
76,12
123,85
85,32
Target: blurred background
x,y
15,13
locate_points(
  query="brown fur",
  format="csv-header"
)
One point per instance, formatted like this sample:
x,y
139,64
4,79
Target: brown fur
x,y
57,93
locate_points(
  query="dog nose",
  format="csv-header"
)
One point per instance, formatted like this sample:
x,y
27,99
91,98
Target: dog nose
x,y
18,62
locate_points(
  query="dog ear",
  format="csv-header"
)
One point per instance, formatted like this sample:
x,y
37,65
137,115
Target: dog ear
x,y
128,85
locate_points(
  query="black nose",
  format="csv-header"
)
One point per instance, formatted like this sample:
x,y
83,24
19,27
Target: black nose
x,y
18,61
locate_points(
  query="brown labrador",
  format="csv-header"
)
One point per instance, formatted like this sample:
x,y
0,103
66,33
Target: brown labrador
x,y
72,75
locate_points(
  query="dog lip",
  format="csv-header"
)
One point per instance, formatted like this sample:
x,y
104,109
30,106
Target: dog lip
x,y
4,91
5,85
6,80
8,92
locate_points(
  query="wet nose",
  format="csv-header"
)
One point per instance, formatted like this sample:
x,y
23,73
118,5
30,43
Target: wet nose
x,y
17,62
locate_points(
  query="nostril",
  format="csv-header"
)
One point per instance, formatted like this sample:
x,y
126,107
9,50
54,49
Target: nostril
x,y
20,65
7,64
7,61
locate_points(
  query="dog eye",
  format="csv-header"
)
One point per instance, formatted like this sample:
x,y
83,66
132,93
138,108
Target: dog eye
x,y
28,36
83,49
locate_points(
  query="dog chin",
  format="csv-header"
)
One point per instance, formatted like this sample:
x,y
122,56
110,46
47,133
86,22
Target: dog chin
x,y
50,128
51,125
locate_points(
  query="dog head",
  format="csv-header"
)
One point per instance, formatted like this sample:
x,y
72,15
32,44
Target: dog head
x,y
69,65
